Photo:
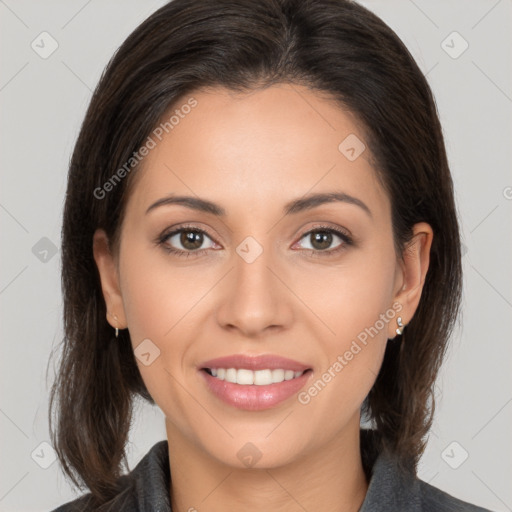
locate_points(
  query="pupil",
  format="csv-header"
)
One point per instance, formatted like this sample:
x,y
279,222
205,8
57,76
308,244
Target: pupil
x,y
322,240
191,239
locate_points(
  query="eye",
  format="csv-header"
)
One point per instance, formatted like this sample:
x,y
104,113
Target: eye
x,y
185,241
322,237
189,241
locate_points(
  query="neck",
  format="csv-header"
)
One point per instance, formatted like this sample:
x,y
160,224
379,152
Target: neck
x,y
329,478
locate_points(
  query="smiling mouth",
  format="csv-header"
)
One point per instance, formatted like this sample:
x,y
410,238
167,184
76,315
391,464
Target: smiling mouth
x,y
245,377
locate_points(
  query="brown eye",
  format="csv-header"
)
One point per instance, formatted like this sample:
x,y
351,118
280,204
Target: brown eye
x,y
321,239
186,241
191,240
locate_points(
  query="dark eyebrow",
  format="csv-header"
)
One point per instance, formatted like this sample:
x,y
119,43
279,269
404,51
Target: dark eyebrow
x,y
313,200
296,206
195,203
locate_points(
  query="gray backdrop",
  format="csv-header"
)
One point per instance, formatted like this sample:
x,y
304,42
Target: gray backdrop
x,y
53,53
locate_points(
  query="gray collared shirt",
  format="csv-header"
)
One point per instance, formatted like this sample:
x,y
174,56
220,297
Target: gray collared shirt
x,y
146,489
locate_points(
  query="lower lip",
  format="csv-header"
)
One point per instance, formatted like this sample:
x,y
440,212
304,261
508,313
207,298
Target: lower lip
x,y
253,397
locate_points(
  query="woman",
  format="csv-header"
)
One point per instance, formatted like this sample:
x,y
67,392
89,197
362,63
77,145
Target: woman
x,y
260,238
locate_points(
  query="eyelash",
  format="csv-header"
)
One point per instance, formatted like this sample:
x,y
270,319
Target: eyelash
x,y
347,241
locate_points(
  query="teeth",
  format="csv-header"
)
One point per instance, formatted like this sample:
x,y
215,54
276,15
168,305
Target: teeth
x,y
258,377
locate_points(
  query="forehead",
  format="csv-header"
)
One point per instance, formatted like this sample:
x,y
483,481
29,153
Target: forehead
x,y
257,149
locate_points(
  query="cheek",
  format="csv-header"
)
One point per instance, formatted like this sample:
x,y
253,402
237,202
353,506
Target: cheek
x,y
351,357
353,307
158,297
348,297
162,303
336,395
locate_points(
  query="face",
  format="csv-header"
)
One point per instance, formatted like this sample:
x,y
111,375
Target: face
x,y
262,269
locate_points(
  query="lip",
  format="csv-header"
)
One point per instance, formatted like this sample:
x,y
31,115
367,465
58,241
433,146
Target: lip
x,y
261,362
254,397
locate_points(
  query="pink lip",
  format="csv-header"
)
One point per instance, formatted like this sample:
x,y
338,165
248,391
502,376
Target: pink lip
x,y
253,397
272,362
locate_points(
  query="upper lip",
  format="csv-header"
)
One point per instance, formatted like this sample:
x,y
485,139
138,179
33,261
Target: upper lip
x,y
261,362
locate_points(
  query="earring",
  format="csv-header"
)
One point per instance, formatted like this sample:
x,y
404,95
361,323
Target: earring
x,y
400,329
116,328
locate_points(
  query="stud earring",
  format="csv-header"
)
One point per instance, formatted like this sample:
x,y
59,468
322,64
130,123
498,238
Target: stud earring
x,y
400,329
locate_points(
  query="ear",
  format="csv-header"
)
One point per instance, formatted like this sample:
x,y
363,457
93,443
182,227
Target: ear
x,y
109,277
411,275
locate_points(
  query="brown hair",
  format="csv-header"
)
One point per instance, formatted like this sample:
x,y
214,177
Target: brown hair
x,y
335,47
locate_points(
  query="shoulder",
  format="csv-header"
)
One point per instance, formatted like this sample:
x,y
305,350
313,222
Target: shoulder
x,y
433,499
125,500
145,487
393,487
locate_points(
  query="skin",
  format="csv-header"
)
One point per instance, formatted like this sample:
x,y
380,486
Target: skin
x,y
252,154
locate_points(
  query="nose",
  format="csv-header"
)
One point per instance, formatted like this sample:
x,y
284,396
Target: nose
x,y
255,298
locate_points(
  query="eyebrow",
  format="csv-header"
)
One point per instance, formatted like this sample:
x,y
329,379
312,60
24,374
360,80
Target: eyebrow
x,y
296,206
